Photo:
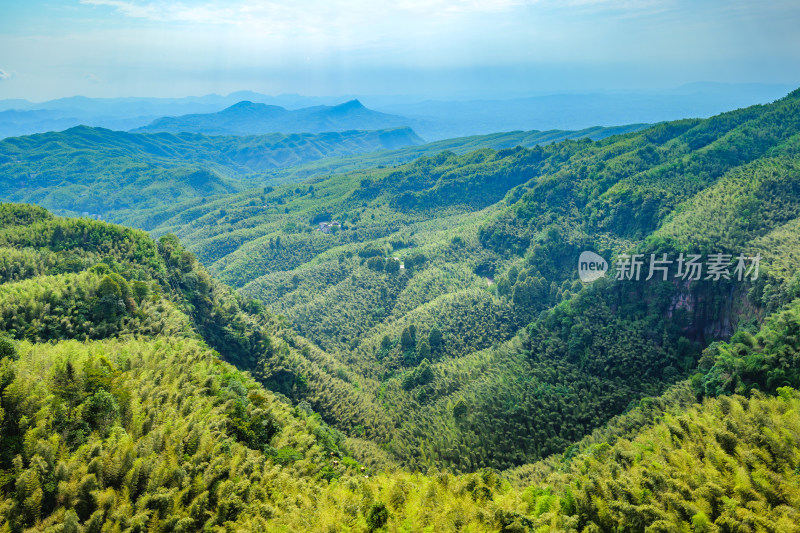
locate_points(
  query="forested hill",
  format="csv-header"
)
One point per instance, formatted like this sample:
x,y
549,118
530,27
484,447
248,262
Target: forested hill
x,y
425,321
485,350
117,414
84,279
101,171
121,176
116,408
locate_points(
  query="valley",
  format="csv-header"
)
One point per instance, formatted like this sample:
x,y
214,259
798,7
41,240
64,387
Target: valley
x,y
430,360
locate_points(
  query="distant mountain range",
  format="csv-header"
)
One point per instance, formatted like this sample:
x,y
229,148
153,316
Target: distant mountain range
x,y
442,119
132,106
435,120
21,117
249,118
431,119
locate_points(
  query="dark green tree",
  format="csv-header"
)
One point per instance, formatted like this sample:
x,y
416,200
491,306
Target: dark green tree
x,y
109,304
407,342
423,350
7,348
435,339
101,410
460,409
377,516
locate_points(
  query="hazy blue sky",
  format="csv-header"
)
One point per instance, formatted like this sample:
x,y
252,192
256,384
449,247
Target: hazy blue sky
x,y
53,48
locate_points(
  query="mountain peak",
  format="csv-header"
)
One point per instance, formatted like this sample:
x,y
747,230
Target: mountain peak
x,y
252,118
245,104
251,110
351,105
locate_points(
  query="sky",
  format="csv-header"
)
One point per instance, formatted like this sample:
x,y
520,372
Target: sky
x,y
431,48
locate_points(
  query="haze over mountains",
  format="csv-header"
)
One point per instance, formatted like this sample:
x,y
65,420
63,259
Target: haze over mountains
x,y
440,119
431,119
21,117
248,118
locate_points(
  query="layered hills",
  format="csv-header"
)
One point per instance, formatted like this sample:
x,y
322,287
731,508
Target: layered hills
x,y
487,313
100,171
120,176
423,320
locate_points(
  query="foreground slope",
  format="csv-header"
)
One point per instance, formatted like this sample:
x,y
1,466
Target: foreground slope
x,y
84,279
160,434
115,414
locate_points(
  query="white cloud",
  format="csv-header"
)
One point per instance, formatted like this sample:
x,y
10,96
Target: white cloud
x,y
460,6
169,12
290,45
260,12
318,26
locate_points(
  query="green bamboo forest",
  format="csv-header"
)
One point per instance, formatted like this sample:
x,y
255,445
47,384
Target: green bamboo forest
x,y
363,332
